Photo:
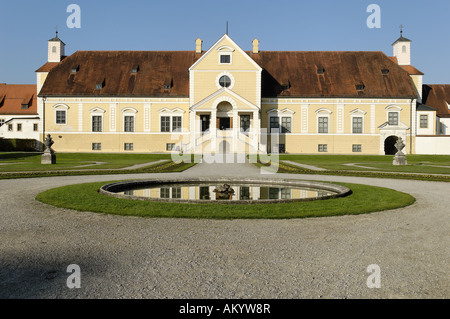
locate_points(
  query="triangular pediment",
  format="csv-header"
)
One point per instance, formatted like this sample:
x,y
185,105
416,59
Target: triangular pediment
x,y
225,46
224,95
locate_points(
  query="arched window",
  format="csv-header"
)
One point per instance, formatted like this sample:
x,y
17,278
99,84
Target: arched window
x,y
54,49
404,49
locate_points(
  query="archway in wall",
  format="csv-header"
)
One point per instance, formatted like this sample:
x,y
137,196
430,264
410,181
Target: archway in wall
x,y
224,119
389,145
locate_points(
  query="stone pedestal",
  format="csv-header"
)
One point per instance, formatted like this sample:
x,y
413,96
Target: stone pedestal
x,y
400,160
48,157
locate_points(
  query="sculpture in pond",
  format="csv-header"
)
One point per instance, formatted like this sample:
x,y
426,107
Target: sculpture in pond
x,y
224,189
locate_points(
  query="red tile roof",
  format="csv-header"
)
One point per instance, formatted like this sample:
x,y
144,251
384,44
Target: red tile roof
x,y
438,97
411,70
13,96
298,70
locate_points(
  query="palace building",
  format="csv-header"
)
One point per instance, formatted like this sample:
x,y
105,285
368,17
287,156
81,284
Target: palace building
x,y
226,99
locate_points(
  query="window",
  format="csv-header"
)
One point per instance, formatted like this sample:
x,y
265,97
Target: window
x,y
170,146
53,49
96,146
274,123
273,193
165,123
176,124
224,81
323,124
204,192
2,121
225,59
74,69
10,127
19,127
357,125
424,121
128,146
323,148
385,71
360,87
128,123
205,122
286,124
245,123
61,117
356,148
282,148
35,127
244,193
96,123
164,192
129,192
176,192
285,193
404,49
393,118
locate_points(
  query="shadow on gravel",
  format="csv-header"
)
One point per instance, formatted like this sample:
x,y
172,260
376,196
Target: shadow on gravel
x,y
24,277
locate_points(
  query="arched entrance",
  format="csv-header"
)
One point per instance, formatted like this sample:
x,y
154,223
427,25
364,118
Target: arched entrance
x,y
389,145
224,116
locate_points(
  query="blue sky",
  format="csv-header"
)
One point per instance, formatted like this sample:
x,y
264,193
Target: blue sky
x,y
331,25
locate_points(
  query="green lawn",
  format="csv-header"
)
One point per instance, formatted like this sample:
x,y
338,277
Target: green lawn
x,y
364,199
427,164
72,161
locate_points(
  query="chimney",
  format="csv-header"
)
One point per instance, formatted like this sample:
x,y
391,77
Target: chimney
x,y
255,46
198,45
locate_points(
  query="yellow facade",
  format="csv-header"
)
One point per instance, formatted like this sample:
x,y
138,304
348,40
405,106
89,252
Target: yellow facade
x,y
226,108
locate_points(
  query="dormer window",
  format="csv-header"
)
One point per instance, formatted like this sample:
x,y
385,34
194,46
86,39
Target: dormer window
x,y
286,86
135,69
100,84
168,83
320,70
360,87
385,71
74,69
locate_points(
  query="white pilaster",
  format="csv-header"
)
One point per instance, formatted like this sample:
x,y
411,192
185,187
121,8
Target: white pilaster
x,y
80,117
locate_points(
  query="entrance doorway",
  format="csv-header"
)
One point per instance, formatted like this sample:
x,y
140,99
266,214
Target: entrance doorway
x,y
389,145
224,123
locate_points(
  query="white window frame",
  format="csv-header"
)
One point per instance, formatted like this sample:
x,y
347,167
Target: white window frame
x,y
420,121
97,112
225,50
129,111
225,74
393,109
323,113
280,114
171,113
60,108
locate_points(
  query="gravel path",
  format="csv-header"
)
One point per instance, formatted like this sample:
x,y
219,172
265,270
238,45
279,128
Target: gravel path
x,y
131,257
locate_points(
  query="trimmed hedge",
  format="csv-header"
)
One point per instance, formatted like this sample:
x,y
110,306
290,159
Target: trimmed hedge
x,y
20,145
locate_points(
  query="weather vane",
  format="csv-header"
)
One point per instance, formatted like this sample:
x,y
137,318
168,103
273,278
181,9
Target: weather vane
x,y
401,29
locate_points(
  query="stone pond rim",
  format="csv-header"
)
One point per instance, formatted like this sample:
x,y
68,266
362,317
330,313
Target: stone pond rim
x,y
112,189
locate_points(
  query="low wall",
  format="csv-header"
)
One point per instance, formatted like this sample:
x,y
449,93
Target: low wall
x,y
433,145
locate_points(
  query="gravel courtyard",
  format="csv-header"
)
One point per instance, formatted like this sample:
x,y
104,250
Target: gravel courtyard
x,y
131,257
